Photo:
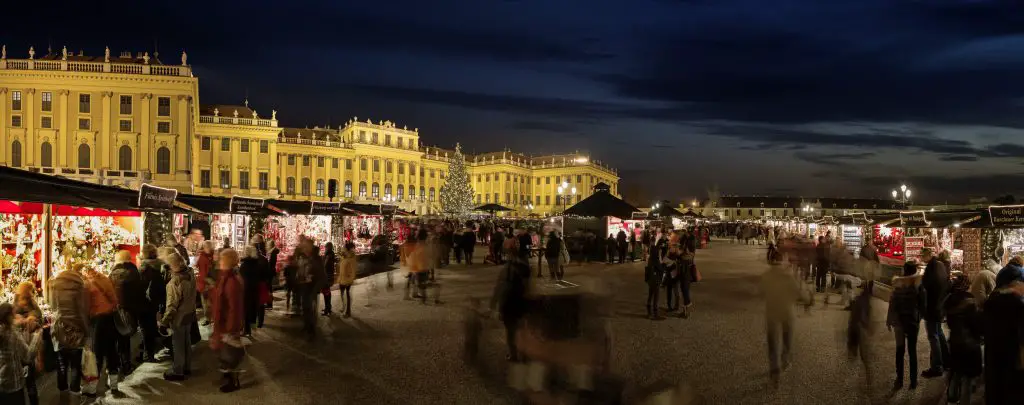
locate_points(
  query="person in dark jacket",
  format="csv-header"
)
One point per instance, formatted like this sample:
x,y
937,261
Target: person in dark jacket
x,y
1014,270
553,254
496,242
610,247
821,263
654,276
936,284
509,298
156,298
965,334
1004,316
272,253
131,296
330,269
467,243
525,243
906,307
621,245
252,270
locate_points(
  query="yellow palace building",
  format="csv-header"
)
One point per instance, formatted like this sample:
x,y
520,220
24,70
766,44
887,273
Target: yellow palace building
x,y
131,118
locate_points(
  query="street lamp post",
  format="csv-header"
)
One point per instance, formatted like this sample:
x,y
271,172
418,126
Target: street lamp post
x,y
902,195
564,193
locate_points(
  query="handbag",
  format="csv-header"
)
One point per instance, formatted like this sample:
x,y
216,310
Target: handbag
x,y
264,294
68,335
695,274
124,322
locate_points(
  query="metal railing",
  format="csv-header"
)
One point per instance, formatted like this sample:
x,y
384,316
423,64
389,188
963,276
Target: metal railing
x,y
94,67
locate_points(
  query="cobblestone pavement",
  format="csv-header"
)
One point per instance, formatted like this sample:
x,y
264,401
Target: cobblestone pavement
x,y
395,351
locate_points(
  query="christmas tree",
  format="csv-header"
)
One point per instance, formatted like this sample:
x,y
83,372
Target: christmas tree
x,y
456,194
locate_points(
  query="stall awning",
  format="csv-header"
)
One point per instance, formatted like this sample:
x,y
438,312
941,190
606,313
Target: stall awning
x,y
26,186
966,219
664,210
219,205
602,204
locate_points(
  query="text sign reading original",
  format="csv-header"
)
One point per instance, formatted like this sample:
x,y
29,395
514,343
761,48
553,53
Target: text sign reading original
x,y
156,197
245,205
914,219
325,208
1009,215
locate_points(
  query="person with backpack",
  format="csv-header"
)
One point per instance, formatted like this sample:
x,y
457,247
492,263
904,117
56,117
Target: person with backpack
x,y
69,299
906,308
179,316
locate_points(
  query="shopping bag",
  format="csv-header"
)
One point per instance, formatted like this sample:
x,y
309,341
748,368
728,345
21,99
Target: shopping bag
x,y
695,274
90,373
265,296
124,322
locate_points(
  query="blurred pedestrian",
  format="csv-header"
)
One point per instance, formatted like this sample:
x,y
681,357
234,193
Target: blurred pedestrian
x,y
227,302
155,299
103,304
330,269
965,334
509,299
69,299
654,276
781,292
936,285
28,319
14,354
347,276
1004,315
906,308
252,269
178,316
206,278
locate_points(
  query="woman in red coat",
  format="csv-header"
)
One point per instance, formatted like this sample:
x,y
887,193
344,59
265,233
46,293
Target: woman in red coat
x,y
227,305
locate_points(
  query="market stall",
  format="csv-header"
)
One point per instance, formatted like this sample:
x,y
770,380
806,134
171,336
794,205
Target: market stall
x,y
304,219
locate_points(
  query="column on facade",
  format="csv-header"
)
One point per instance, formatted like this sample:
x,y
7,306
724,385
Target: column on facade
x,y
103,141
274,174
4,122
254,174
64,131
236,151
215,163
181,139
145,137
29,148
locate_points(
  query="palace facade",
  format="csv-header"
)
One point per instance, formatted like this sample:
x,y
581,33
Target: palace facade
x,y
131,119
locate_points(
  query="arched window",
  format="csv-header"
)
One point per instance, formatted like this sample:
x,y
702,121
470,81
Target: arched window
x,y
431,194
84,156
400,193
362,189
320,188
375,190
163,160
16,154
289,185
46,155
423,193
412,192
387,190
305,186
124,158
348,189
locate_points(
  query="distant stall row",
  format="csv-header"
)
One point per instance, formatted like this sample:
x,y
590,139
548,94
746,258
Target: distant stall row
x,y
49,223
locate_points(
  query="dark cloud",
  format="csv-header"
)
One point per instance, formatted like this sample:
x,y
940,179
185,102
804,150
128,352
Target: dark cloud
x,y
850,60
959,158
786,136
546,126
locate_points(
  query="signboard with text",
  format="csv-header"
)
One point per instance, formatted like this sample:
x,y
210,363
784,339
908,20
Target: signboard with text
x,y
156,197
913,219
912,247
859,218
639,215
245,204
325,208
1007,215
388,209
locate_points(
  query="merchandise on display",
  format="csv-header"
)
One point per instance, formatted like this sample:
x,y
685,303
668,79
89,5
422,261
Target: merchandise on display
x,y
230,228
286,230
853,238
361,230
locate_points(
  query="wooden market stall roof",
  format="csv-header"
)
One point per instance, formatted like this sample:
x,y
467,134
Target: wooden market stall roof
x,y
602,204
26,186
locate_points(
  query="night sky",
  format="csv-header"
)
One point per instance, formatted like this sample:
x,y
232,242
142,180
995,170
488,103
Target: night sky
x,y
782,97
